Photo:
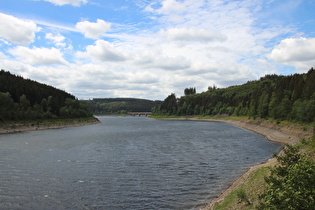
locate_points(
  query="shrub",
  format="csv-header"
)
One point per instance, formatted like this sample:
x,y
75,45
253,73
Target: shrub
x,y
291,184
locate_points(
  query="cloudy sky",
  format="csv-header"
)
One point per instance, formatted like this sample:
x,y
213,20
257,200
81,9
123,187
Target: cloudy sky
x,y
151,48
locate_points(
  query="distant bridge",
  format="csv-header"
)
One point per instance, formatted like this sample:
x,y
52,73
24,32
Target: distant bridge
x,y
139,114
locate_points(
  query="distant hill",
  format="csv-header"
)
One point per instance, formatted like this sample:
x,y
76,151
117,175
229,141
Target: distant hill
x,y
120,105
25,99
278,97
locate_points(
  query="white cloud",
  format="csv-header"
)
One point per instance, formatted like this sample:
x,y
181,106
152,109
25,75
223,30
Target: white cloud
x,y
16,30
189,43
210,47
173,11
102,51
173,6
4,41
193,34
297,52
144,78
38,56
57,39
2,56
162,62
93,30
75,3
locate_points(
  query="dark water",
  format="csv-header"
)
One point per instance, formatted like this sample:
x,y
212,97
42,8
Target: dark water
x,y
125,163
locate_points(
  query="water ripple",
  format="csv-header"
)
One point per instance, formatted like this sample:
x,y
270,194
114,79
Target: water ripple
x,y
125,163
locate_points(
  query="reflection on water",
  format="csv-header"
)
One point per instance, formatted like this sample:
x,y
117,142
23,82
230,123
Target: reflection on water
x,y
125,163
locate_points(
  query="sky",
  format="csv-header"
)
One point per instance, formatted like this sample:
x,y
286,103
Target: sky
x,y
151,48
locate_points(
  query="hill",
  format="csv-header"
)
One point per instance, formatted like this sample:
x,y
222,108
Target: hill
x,y
264,106
120,105
279,97
25,99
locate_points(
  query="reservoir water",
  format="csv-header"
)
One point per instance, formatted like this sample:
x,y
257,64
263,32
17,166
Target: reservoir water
x,y
126,163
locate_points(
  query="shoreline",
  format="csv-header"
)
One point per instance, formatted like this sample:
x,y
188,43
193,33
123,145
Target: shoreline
x,y
289,134
285,133
19,127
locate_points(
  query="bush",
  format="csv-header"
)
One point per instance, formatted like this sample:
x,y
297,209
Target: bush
x,y
291,185
242,196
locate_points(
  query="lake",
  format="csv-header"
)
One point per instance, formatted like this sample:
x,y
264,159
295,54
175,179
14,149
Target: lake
x,y
126,163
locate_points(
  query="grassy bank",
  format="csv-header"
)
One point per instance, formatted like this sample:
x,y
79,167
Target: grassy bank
x,y
245,192
245,196
30,125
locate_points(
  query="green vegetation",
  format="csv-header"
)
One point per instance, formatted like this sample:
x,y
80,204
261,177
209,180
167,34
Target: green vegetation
x,y
189,91
289,98
104,106
246,196
23,99
291,184
242,196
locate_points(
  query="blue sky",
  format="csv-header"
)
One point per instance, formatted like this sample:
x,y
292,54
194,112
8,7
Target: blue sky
x,y
151,48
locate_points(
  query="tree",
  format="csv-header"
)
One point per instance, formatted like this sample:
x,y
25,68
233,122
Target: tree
x,y
74,109
291,185
24,99
189,91
7,107
38,111
213,88
43,104
24,103
278,97
169,105
262,109
304,111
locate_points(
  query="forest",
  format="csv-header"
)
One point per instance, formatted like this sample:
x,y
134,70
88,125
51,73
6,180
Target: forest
x,y
272,96
103,106
25,99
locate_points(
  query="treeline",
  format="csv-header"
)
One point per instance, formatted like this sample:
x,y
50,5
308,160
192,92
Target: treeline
x,y
25,99
273,96
120,105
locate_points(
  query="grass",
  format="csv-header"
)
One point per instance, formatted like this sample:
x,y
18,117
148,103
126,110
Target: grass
x,y
245,196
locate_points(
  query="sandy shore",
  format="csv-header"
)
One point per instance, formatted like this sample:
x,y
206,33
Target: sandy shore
x,y
23,127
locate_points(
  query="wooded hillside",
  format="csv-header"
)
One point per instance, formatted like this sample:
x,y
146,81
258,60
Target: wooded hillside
x,y
120,105
25,99
273,96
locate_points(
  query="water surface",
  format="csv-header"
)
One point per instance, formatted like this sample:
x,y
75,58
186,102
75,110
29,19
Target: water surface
x,y
126,163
